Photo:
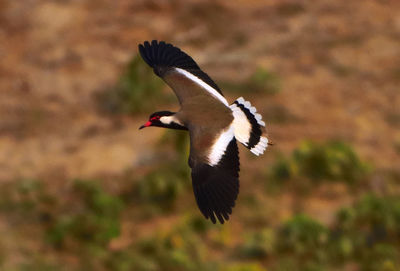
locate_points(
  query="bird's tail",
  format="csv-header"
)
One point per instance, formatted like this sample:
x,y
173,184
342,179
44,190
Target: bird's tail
x,y
248,126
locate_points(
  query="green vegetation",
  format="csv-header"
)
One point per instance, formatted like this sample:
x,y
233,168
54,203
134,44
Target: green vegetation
x,y
258,244
366,234
138,90
178,249
264,81
84,222
333,161
369,232
81,220
94,218
301,236
243,267
161,187
85,213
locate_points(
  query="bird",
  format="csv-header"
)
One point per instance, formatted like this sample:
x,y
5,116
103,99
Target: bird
x,y
213,124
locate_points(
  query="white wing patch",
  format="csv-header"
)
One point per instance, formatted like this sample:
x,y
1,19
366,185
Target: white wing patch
x,y
241,125
204,85
220,144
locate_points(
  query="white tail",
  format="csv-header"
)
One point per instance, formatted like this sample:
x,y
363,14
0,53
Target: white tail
x,y
248,126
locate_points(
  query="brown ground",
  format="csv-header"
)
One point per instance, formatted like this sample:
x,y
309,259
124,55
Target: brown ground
x,y
338,62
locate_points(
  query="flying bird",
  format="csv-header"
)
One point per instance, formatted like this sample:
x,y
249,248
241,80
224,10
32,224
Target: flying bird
x,y
214,125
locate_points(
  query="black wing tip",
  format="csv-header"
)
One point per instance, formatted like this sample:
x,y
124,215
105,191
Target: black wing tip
x,y
216,200
162,54
216,188
216,216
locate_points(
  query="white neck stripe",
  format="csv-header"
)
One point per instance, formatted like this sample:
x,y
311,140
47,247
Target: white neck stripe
x,y
204,85
170,119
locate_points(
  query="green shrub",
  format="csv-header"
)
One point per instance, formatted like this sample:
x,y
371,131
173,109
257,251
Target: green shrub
x,y
176,249
259,244
198,224
243,267
302,236
264,81
298,244
92,219
129,259
365,235
371,230
162,186
179,140
333,161
286,263
20,198
138,90
377,217
39,265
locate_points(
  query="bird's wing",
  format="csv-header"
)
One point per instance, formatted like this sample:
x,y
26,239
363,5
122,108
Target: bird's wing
x,y
215,173
179,71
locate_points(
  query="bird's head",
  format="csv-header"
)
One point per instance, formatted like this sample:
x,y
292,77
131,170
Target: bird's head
x,y
165,119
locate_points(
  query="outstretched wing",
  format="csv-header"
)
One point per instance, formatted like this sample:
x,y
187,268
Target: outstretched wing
x,y
179,71
215,176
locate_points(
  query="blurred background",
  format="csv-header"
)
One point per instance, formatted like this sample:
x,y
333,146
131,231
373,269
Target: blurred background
x,y
81,188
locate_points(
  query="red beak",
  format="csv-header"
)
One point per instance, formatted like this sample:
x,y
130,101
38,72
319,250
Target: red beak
x,y
147,124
